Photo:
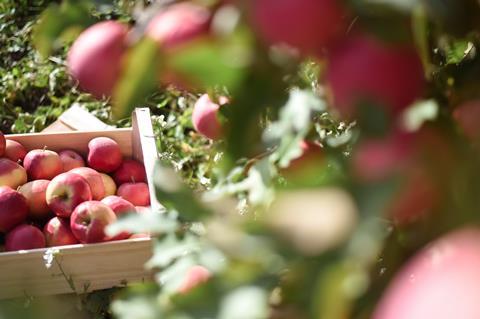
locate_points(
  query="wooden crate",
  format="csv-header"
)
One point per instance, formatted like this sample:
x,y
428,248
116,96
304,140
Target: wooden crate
x,y
84,268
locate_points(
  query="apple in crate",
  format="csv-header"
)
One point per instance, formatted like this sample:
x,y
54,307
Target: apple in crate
x,y
67,191
13,208
70,160
35,193
57,233
89,220
136,193
11,174
24,237
94,180
130,171
119,206
109,185
15,151
104,154
42,164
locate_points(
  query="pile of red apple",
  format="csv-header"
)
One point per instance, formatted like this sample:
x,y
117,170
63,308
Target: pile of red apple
x,y
54,199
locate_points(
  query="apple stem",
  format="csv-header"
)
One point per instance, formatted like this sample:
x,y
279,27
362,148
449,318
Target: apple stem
x,y
45,147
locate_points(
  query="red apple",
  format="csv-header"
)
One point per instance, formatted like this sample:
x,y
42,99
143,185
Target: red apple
x,y
67,191
57,233
95,58
196,276
42,164
205,117
35,193
104,154
15,151
308,25
136,193
3,143
13,208
119,207
441,281
178,24
94,180
365,69
24,237
109,185
130,171
71,160
89,220
11,174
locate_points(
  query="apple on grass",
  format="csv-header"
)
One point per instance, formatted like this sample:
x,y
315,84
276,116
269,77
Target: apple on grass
x,y
67,191
89,220
109,185
11,174
136,193
13,208
35,193
57,233
104,154
94,180
42,164
24,237
205,117
120,207
130,171
15,151
70,160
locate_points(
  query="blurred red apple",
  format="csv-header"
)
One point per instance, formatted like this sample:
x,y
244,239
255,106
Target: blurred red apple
x,y
42,164
67,191
24,237
11,174
109,185
57,233
3,143
196,276
205,117
130,171
136,193
178,24
441,281
15,151
95,58
35,194
364,69
71,160
119,206
104,154
94,180
89,220
308,25
13,208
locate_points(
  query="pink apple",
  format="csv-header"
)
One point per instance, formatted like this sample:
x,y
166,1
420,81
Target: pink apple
x,y
136,193
24,237
104,154
109,185
2,144
35,193
42,164
179,23
94,180
71,160
13,208
205,117
308,25
11,174
130,171
67,191
196,276
95,58
365,69
441,281
15,151
57,233
120,207
89,220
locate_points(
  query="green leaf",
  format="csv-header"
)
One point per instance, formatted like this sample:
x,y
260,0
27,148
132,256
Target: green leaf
x,y
139,78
